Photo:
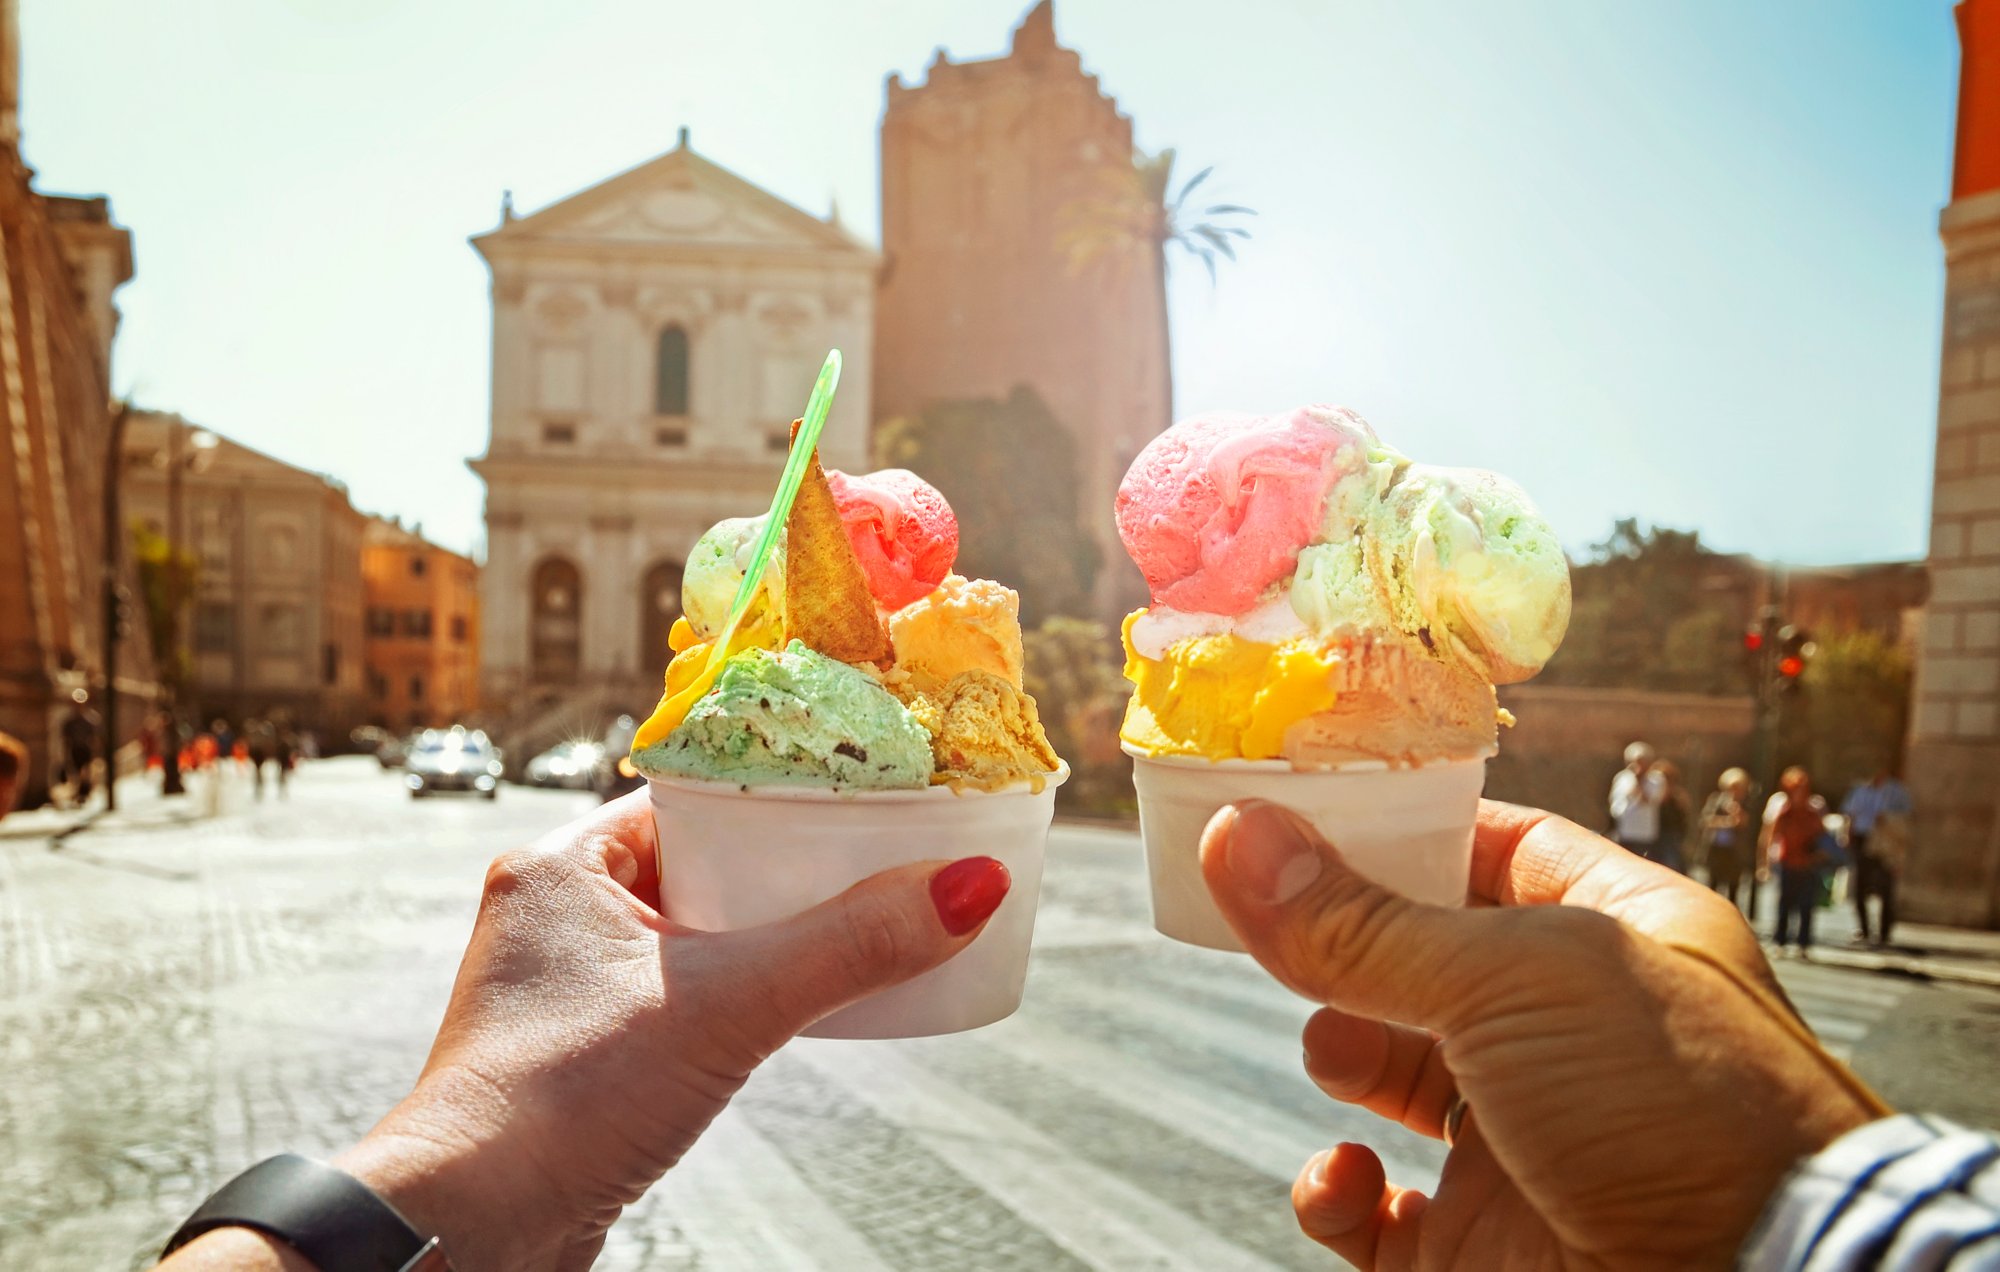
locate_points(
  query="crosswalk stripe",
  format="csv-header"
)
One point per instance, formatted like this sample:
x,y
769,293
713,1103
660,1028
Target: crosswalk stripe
x,y
742,1205
1100,1218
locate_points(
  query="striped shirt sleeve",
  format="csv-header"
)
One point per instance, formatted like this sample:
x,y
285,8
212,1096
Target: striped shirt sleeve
x,y
1906,1194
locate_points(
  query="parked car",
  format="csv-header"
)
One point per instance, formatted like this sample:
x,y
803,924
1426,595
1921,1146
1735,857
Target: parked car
x,y
392,751
617,776
454,759
571,764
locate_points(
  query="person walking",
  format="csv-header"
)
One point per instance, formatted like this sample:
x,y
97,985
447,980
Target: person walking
x,y
1670,849
285,754
1635,801
79,741
1725,834
1882,803
13,763
1792,844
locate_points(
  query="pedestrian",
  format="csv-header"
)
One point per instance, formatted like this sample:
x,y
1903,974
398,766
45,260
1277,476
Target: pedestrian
x,y
1635,801
13,763
1881,804
285,756
1670,848
1793,844
1725,831
259,734
1579,992
80,731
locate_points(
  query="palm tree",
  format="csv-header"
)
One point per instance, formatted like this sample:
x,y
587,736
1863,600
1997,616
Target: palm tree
x,y
1137,207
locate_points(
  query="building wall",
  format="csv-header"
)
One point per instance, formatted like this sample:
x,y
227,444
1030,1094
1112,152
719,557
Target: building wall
x,y
985,167
423,630
582,469
55,431
275,624
1568,743
1954,872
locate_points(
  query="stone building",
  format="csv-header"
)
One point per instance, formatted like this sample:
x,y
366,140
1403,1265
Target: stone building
x,y
60,261
1954,873
275,625
653,338
985,165
423,629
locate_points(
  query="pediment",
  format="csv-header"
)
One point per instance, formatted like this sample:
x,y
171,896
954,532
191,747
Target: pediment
x,y
678,200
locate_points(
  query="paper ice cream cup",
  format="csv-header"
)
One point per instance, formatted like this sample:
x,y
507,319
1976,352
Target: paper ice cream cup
x,y
1409,829
734,857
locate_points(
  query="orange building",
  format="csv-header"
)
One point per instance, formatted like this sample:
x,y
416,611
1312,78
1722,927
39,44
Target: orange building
x,y
422,644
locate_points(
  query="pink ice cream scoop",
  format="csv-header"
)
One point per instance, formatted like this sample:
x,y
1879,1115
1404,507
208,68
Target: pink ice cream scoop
x,y
1216,508
901,528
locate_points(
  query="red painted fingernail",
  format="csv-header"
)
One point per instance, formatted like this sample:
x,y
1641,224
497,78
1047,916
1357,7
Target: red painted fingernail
x,y
967,892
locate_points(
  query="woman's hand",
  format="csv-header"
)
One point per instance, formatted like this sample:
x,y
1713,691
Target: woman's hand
x,y
589,1042
1636,1083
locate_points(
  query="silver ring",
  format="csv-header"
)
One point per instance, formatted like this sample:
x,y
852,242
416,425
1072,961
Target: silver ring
x,y
1454,1120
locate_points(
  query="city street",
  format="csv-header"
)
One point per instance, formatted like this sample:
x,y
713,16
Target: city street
x,y
180,998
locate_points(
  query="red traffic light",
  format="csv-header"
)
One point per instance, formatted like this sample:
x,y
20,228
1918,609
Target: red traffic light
x,y
1790,667
1753,640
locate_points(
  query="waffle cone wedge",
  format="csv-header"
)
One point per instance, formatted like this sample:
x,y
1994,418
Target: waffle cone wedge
x,y
827,602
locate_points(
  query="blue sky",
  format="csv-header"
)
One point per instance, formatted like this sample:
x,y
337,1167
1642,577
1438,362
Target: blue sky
x,y
1675,261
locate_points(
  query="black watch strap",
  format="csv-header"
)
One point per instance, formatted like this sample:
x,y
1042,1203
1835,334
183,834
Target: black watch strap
x,y
325,1214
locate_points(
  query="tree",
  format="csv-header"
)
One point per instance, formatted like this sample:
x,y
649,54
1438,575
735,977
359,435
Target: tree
x,y
166,584
1009,469
1073,673
1135,212
1851,722
1647,615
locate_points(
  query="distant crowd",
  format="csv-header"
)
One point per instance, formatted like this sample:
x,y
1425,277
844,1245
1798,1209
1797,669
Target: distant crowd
x,y
265,750
1796,838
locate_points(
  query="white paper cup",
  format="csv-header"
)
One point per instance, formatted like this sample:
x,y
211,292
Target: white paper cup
x,y
736,857
1406,828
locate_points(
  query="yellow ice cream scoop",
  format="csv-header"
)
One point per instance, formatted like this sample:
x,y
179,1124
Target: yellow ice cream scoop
x,y
1223,697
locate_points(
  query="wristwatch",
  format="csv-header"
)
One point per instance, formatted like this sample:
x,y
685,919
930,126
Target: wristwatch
x,y
324,1213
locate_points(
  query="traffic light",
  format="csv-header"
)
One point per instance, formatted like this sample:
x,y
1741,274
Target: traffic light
x,y
1795,650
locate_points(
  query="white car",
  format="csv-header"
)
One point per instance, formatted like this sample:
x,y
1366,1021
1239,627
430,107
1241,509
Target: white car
x,y
571,765
454,759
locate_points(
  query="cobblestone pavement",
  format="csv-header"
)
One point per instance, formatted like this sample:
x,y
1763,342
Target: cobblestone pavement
x,y
178,1000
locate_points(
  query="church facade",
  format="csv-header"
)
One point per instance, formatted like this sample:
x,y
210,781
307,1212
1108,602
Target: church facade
x,y
653,338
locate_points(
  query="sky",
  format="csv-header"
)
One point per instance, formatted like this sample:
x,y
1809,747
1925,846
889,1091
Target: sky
x,y
1672,261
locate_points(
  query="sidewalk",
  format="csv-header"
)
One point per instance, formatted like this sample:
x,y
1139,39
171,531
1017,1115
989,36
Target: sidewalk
x,y
140,807
1961,956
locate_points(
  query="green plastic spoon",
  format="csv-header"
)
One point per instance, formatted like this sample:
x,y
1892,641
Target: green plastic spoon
x,y
674,709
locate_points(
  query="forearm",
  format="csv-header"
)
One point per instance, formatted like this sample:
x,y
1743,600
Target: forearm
x,y
236,1250
1906,1194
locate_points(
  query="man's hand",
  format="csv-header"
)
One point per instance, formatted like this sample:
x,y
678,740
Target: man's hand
x,y
1637,1084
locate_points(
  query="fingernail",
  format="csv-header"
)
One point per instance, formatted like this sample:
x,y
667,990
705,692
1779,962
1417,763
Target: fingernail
x,y
1320,1166
966,893
1268,855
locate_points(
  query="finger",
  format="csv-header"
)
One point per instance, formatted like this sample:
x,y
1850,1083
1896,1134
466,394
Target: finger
x,y
1345,1202
891,926
1391,1070
1524,856
1335,937
618,840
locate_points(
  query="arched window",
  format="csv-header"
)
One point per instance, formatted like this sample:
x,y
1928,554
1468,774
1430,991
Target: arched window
x,y
659,606
555,622
670,385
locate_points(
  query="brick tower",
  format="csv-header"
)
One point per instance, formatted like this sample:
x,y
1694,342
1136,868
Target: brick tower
x,y
1954,759
983,166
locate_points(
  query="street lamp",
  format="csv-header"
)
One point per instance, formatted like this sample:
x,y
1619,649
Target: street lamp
x,y
201,444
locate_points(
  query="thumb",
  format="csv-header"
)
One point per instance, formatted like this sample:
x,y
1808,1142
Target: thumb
x,y
881,932
1335,937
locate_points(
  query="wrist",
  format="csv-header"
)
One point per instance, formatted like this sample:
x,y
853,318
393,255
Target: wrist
x,y
432,1159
